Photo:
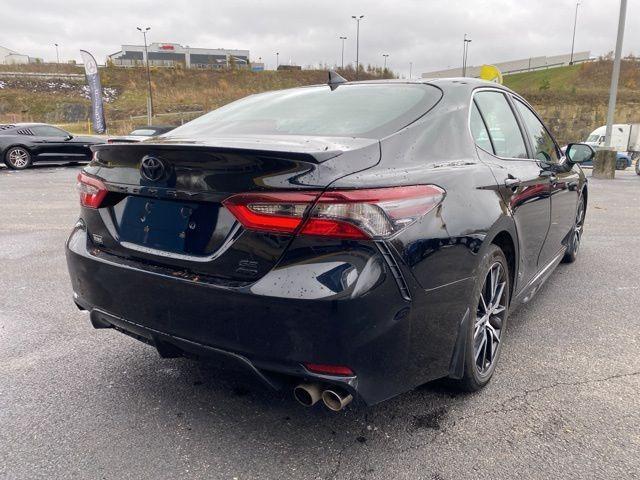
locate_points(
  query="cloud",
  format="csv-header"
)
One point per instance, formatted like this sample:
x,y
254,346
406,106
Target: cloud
x,y
426,32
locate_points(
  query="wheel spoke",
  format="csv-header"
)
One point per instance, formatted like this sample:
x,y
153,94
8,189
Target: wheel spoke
x,y
494,282
494,334
496,300
481,346
485,309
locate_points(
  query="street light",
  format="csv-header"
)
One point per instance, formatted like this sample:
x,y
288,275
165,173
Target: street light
x,y
149,94
277,60
465,51
573,41
343,39
615,76
57,55
357,19
385,55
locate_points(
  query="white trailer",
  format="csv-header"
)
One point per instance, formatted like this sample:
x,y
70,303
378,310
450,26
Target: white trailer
x,y
625,137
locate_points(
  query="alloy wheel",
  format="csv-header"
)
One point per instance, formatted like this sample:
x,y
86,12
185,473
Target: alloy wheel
x,y
490,318
18,157
579,227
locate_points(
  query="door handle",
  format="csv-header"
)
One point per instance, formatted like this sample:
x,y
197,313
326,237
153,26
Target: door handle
x,y
512,182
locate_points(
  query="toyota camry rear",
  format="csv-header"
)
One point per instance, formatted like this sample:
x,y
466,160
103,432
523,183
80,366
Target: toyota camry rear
x,y
304,235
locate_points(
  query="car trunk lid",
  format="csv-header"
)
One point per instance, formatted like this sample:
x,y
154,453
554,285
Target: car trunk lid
x,y
164,205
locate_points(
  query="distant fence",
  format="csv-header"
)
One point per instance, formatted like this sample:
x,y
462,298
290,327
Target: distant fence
x,y
516,66
67,76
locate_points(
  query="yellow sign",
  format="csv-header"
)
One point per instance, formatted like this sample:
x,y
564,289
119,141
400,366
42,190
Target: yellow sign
x,y
490,73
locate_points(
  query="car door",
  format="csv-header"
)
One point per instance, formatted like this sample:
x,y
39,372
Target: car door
x,y
51,142
523,183
564,180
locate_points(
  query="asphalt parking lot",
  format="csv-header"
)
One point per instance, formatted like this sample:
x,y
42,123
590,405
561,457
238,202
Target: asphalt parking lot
x,y
82,403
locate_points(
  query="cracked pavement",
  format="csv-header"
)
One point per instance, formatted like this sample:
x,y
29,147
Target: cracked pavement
x,y
82,403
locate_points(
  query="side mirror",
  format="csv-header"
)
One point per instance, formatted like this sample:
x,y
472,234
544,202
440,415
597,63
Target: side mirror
x,y
580,152
69,137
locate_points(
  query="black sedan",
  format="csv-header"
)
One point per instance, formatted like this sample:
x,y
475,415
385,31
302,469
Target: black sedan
x,y
351,240
23,144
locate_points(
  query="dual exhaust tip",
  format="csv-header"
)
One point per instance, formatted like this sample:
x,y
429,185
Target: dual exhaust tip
x,y
308,394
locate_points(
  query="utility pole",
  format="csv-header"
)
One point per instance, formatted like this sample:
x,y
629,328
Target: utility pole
x,y
277,60
465,51
149,94
615,75
57,55
573,41
343,39
385,55
357,19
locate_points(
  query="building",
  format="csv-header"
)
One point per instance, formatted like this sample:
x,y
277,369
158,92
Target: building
x,y
171,54
9,57
515,66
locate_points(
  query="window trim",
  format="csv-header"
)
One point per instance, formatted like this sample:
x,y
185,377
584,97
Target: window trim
x,y
525,136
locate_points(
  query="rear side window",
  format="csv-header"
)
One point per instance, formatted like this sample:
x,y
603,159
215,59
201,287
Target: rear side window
x,y
503,128
543,144
479,130
46,131
361,110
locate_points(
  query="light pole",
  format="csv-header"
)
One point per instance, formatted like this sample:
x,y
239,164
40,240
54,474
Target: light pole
x,y
357,19
573,41
277,60
385,55
343,39
465,50
57,55
410,70
149,94
615,76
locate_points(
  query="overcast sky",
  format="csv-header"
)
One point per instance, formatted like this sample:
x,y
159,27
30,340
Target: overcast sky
x,y
428,33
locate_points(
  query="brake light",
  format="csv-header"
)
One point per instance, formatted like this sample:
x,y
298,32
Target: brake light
x,y
92,191
355,214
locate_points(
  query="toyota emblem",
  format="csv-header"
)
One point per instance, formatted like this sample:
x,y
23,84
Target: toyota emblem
x,y
152,168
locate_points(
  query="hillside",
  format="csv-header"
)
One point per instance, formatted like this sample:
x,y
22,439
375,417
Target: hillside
x,y
573,100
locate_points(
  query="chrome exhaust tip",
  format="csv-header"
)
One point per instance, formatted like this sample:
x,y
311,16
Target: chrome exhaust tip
x,y
307,394
336,399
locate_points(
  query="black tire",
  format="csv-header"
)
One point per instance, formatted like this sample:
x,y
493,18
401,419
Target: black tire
x,y
17,158
621,165
486,321
571,254
638,166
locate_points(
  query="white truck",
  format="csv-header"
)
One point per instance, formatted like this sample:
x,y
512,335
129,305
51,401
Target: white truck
x,y
625,139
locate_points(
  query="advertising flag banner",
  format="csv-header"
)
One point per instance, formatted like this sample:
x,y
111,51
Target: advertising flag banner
x,y
95,91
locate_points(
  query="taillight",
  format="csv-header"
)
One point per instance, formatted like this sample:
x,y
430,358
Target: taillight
x,y
358,214
92,191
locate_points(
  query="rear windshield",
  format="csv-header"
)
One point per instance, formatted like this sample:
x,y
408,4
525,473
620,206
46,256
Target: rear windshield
x,y
364,110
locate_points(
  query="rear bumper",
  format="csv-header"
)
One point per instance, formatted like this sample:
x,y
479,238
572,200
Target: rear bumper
x,y
388,342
